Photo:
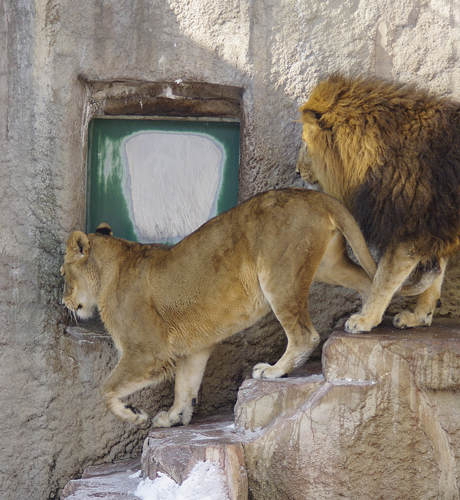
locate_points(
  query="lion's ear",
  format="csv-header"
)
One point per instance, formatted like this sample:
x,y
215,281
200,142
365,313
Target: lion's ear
x,y
77,246
104,229
309,115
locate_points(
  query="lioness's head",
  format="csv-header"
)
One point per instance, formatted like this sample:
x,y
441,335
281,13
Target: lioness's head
x,y
81,275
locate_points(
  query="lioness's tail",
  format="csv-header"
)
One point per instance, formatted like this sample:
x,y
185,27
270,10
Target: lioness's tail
x,y
350,229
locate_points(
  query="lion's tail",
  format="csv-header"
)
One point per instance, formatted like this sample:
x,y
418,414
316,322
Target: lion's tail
x,y
350,229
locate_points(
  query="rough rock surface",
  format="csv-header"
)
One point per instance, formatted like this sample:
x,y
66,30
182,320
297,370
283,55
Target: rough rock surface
x,y
113,482
275,52
383,424
262,401
176,451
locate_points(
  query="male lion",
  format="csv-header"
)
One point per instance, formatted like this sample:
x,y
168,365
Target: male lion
x,y
166,308
391,154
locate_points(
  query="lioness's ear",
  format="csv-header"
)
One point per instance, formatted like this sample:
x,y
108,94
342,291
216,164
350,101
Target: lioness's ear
x,y
77,246
104,229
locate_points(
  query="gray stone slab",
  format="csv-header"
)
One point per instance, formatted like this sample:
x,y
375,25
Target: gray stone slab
x,y
110,482
383,424
175,451
431,353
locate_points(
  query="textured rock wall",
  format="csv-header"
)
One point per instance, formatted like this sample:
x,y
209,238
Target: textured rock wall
x,y
276,51
383,423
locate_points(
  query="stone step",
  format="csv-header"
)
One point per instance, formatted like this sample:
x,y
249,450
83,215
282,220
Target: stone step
x,y
177,450
432,354
383,422
260,402
112,482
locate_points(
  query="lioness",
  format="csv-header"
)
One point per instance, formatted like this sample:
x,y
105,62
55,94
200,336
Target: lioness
x,y
166,308
391,154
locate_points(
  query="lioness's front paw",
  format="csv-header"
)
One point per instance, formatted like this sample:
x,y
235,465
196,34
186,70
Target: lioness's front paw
x,y
407,319
137,417
162,419
358,323
172,417
264,370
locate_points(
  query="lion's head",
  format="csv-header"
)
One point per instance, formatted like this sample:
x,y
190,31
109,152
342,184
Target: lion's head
x,y
304,166
389,152
81,277
340,139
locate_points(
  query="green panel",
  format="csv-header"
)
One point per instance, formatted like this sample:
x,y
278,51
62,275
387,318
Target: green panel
x,y
106,200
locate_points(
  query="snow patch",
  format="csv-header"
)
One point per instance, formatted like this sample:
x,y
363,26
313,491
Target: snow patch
x,y
205,482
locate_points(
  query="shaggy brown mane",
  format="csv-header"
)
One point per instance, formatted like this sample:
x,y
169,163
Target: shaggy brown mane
x,y
391,153
396,155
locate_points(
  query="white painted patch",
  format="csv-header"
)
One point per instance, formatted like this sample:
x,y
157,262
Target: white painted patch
x,y
109,164
172,183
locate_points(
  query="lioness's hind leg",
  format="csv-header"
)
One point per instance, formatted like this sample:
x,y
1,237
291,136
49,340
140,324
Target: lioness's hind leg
x,y
189,373
130,375
426,304
302,337
290,305
337,268
302,340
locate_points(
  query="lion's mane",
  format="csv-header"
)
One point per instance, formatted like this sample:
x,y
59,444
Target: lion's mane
x,y
391,153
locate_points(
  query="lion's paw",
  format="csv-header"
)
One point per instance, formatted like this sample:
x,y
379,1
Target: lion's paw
x,y
264,370
359,324
407,319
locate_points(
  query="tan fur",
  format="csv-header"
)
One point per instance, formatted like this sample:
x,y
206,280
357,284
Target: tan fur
x,y
166,308
391,154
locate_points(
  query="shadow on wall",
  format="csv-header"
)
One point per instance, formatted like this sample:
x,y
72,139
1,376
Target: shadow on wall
x,y
81,364
217,45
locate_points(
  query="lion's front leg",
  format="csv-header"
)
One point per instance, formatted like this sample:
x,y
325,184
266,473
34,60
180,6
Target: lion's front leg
x,y
394,267
130,375
189,373
426,304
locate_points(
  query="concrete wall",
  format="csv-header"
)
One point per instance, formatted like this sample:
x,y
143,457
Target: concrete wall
x,y
52,422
